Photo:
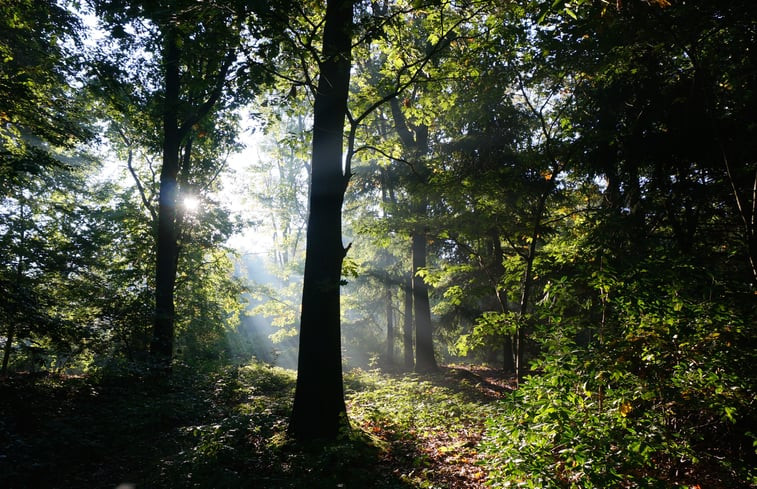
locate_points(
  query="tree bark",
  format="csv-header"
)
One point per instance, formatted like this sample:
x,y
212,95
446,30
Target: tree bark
x,y
407,326
389,327
424,344
508,352
10,336
415,143
319,410
161,348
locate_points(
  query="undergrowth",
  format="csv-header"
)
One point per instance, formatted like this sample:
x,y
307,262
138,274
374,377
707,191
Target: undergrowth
x,y
225,428
598,419
429,426
573,425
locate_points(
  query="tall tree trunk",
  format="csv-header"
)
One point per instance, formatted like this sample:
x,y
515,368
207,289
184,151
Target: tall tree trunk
x,y
389,326
8,346
746,205
525,297
524,300
508,361
424,345
389,360
319,410
407,326
10,336
415,143
167,246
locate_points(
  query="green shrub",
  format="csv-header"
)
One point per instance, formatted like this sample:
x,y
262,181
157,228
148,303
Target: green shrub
x,y
667,398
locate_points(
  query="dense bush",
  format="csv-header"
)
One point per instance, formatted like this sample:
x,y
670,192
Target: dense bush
x,y
666,398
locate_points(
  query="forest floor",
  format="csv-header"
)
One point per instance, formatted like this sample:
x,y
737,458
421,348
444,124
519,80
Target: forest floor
x,y
226,428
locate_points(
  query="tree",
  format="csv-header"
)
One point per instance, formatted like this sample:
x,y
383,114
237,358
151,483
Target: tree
x,y
175,138
415,144
396,68
201,78
319,410
51,250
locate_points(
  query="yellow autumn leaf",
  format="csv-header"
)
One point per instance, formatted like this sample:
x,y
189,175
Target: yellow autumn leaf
x,y
625,408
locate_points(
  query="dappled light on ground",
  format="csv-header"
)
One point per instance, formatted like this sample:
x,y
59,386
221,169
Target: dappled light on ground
x,y
227,428
429,425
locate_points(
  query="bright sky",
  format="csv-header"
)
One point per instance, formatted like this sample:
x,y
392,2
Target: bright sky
x,y
234,196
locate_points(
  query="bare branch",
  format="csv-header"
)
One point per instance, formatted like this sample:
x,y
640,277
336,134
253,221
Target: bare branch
x,y
140,187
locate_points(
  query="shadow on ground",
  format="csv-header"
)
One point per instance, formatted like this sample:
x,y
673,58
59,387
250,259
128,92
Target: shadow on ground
x,y
221,430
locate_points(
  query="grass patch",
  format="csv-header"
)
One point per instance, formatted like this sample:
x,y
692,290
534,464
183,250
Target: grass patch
x,y
428,426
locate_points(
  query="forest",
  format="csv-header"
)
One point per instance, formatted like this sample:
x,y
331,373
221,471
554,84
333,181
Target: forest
x,y
378,244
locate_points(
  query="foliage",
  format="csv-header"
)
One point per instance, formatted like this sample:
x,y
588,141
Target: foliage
x,y
278,193
51,255
210,304
665,400
76,269
102,429
581,172
39,110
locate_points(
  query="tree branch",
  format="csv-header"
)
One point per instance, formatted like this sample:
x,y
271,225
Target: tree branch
x,y
137,181
214,96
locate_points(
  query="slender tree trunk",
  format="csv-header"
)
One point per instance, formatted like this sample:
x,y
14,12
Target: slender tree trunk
x,y
319,410
415,143
508,360
167,246
389,360
525,297
524,300
389,327
7,348
746,205
424,344
14,307
407,327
